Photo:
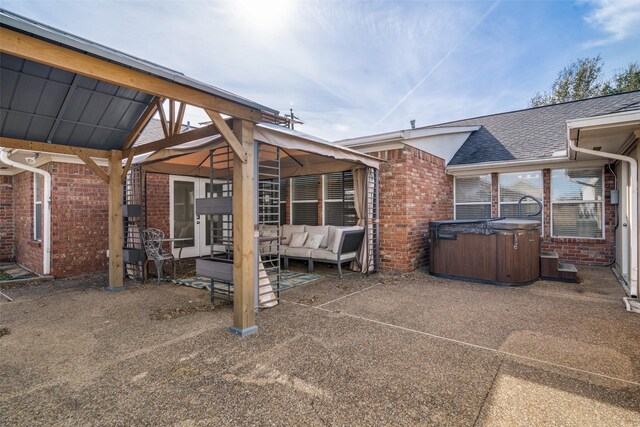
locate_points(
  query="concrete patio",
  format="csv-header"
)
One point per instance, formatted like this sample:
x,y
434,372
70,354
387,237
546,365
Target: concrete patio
x,y
382,350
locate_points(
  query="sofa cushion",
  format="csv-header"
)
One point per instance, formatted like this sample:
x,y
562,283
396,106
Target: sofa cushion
x,y
288,230
313,241
298,239
319,229
335,246
298,252
327,255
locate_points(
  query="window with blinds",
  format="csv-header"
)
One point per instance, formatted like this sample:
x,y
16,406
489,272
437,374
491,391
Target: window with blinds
x,y
338,198
577,202
304,200
284,185
472,197
513,186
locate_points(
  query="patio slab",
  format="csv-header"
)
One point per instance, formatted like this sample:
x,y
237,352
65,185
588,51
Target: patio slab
x,y
157,355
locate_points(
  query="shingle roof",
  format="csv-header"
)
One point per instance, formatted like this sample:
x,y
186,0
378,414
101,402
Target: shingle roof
x,y
532,133
153,132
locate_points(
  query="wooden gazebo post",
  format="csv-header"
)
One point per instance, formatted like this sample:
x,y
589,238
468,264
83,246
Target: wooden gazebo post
x,y
244,261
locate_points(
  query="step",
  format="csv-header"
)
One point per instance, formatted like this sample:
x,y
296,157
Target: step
x,y
551,255
567,268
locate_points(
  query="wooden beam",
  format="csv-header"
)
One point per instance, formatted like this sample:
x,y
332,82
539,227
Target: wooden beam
x,y
172,141
163,118
228,135
180,118
140,124
97,169
126,168
116,271
172,116
22,144
244,232
31,48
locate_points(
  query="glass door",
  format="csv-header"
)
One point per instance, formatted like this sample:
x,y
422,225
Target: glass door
x,y
183,220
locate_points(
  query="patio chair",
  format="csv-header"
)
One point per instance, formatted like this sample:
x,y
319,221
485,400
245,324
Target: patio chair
x,y
152,238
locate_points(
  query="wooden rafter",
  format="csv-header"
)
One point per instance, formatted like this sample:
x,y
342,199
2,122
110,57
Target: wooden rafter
x,y
172,141
140,124
180,118
51,148
163,118
172,116
227,134
31,48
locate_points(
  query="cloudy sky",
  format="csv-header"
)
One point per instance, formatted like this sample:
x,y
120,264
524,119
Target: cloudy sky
x,y
352,68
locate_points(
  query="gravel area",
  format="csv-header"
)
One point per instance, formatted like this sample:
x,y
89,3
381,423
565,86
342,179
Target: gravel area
x,y
380,350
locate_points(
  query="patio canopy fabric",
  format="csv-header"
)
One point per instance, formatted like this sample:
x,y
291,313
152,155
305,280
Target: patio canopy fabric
x,y
300,154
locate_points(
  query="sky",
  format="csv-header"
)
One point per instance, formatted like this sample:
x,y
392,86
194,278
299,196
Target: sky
x,y
356,68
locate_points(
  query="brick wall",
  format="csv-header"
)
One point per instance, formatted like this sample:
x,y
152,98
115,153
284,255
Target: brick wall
x,y
580,250
79,220
157,204
27,252
414,190
6,218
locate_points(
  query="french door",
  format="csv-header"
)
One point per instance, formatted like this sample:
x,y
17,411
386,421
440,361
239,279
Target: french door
x,y
184,223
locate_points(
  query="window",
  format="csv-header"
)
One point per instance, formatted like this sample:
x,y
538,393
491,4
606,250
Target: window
x,y
576,202
304,200
37,206
339,203
284,183
472,197
513,186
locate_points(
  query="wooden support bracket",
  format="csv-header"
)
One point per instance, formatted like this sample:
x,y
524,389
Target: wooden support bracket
x,y
228,135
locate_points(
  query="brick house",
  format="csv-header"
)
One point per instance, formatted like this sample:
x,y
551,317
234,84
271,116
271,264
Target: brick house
x,y
480,167
473,168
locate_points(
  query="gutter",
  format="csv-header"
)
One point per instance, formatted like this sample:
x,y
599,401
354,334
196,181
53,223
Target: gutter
x,y
633,223
46,211
506,163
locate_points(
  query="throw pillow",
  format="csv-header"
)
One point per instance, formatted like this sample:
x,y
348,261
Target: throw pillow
x,y
298,239
313,241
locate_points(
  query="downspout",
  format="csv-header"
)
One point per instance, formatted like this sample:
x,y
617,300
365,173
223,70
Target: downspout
x,y
633,223
46,211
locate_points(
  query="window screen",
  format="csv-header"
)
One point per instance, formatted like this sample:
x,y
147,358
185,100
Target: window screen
x,y
513,186
339,204
304,200
577,202
473,197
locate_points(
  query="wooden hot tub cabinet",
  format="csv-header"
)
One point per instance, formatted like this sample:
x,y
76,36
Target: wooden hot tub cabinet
x,y
498,251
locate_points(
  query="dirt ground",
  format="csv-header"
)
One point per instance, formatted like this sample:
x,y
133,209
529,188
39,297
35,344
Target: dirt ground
x,y
378,350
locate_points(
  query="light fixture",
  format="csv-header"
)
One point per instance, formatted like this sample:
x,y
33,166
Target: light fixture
x,y
31,159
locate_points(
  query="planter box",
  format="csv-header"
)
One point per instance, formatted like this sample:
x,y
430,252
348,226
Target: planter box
x,y
215,268
214,205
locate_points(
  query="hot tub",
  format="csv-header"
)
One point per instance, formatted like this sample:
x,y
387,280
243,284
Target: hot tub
x,y
499,251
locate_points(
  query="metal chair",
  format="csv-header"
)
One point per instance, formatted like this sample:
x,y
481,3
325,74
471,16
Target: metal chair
x,y
152,238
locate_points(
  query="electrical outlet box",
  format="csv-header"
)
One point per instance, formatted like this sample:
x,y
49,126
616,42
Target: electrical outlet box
x,y
615,197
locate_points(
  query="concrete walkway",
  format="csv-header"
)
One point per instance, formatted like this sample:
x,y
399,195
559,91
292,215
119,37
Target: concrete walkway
x,y
382,350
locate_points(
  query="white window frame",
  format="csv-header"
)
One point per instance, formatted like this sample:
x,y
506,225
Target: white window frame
x,y
602,201
300,201
455,203
36,202
527,201
327,200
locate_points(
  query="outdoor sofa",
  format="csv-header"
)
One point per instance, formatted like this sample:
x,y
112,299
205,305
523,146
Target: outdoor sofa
x,y
315,243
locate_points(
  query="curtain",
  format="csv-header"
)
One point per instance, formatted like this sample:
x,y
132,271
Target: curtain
x,y
360,199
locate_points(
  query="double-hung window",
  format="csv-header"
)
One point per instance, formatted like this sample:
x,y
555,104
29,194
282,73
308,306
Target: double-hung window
x,y
37,206
338,199
472,197
577,203
304,200
513,187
